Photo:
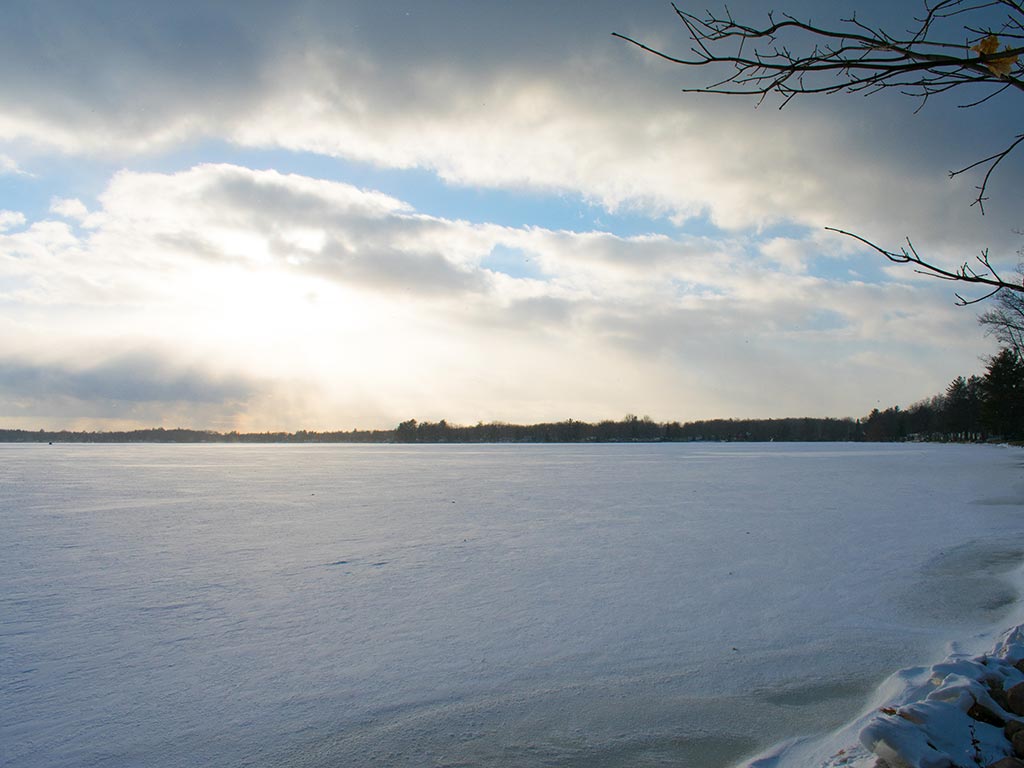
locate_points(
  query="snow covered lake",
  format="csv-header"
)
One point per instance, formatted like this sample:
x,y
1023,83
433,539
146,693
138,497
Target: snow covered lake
x,y
566,605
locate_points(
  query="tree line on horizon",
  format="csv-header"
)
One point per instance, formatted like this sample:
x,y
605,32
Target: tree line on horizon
x,y
990,406
629,429
971,409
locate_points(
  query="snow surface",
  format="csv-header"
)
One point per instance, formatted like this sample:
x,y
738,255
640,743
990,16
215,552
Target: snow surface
x,y
575,605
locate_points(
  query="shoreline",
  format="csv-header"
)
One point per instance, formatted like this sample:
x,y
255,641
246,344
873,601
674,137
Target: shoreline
x,y
961,712
954,713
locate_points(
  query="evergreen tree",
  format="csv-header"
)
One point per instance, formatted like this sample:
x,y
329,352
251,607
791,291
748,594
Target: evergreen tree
x,y
1002,391
957,411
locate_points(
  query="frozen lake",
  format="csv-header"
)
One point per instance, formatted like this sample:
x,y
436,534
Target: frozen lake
x,y
566,605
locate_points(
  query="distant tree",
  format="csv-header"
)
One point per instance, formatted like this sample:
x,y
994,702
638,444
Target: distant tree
x,y
1002,390
924,420
673,431
885,426
407,431
974,398
969,45
957,407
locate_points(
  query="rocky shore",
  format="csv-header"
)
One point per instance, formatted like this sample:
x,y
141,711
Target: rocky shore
x,y
961,713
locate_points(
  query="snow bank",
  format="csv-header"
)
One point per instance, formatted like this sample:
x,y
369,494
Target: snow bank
x,y
950,715
954,713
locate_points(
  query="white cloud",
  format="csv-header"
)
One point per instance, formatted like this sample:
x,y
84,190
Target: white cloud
x,y
69,208
10,219
790,254
343,307
9,166
585,118
614,143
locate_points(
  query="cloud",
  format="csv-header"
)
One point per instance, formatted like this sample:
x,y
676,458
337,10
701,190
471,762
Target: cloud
x,y
534,97
292,302
229,214
9,166
138,377
69,208
125,389
9,219
287,301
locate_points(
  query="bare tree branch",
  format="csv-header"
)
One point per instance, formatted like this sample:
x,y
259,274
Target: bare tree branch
x,y
788,57
984,274
991,161
857,58
1006,320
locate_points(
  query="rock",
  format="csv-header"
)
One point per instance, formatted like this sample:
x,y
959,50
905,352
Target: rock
x,y
995,689
1012,727
1017,740
1006,762
1019,665
1015,699
983,714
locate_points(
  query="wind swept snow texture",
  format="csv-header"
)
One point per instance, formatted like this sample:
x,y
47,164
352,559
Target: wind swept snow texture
x,y
569,605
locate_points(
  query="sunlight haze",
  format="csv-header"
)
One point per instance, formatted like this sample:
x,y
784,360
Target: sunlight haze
x,y
268,216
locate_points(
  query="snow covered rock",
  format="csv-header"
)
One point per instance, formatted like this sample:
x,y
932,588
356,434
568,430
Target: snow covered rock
x,y
957,713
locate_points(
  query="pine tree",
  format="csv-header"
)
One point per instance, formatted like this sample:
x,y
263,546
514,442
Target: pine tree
x,y
1002,391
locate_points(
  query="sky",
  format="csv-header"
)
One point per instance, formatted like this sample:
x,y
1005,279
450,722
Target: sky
x,y
330,215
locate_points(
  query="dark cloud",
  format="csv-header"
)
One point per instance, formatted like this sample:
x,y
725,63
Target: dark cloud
x,y
134,61
389,269
532,316
261,201
195,245
542,312
118,75
138,377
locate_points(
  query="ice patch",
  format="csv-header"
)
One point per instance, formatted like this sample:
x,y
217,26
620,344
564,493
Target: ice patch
x,y
972,584
816,693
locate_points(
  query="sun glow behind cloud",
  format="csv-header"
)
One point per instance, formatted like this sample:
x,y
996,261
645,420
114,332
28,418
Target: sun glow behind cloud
x,y
296,299
341,304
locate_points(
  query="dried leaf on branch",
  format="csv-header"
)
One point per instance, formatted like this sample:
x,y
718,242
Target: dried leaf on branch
x,y
1001,66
